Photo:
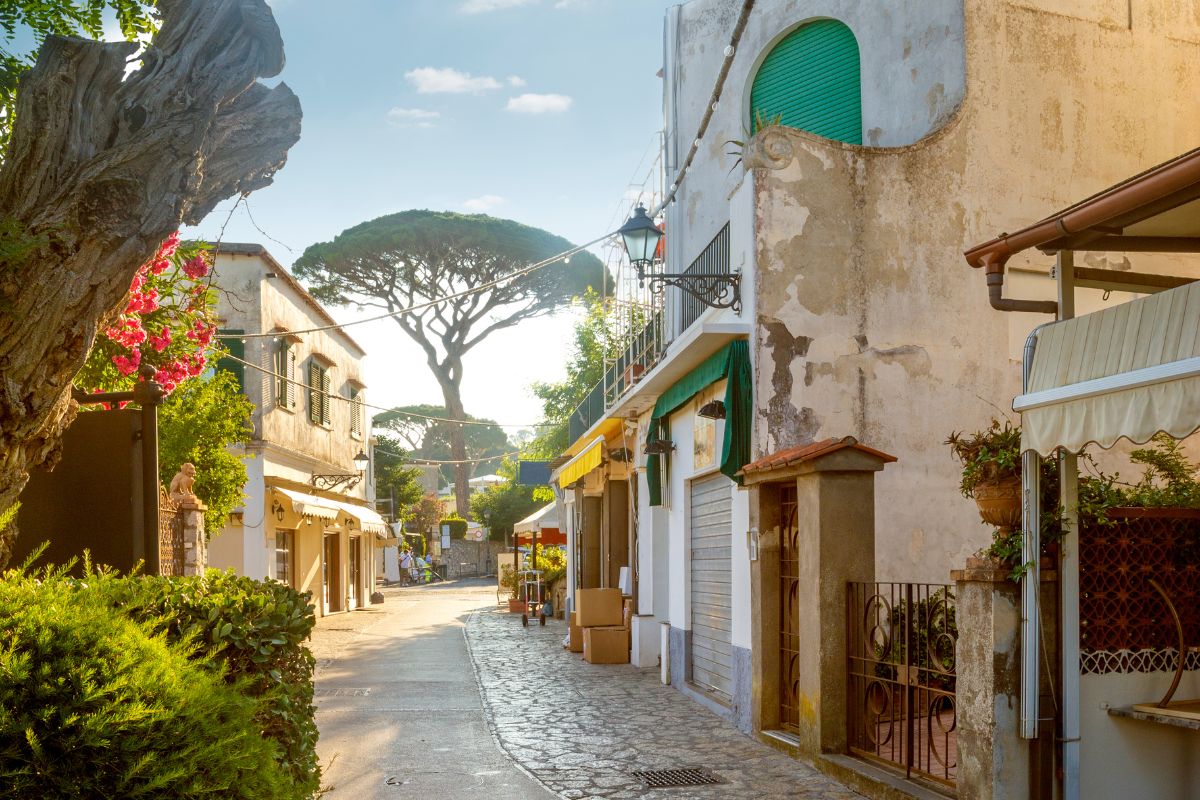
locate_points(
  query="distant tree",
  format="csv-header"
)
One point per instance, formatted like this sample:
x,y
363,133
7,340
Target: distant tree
x,y
394,479
596,338
413,258
198,423
101,166
432,439
499,508
425,515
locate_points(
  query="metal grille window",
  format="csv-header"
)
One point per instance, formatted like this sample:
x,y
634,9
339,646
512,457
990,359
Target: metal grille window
x,y
285,378
356,412
318,393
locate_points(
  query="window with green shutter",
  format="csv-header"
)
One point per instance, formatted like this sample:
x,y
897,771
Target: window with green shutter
x,y
356,411
285,375
318,393
811,81
237,350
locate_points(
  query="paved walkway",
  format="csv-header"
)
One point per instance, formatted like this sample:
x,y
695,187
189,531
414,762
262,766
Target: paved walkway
x,y
582,729
398,706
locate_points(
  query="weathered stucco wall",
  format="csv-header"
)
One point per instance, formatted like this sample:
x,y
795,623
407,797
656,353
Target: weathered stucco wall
x,y
869,322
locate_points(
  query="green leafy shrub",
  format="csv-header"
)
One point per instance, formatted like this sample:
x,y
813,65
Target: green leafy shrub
x,y
458,526
96,704
253,632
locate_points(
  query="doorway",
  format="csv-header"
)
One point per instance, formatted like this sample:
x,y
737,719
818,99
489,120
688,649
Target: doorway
x,y
331,582
355,571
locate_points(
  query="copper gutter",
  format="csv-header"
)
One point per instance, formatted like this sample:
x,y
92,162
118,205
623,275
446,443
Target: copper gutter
x,y
1154,184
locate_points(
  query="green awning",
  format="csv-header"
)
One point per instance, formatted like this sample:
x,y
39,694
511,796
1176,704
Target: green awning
x,y
731,362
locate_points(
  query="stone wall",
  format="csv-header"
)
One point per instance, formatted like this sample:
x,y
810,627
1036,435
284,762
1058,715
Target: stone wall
x,y
467,559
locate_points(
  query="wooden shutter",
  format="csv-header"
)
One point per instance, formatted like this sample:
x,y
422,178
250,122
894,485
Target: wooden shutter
x,y
280,369
324,397
812,79
356,411
291,377
314,392
237,349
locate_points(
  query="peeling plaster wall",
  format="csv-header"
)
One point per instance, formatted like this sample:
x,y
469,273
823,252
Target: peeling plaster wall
x,y
866,319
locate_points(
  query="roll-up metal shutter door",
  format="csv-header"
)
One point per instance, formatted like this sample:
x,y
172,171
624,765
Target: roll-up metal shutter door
x,y
811,79
711,534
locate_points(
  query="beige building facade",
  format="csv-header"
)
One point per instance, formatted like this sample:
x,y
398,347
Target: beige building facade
x,y
309,519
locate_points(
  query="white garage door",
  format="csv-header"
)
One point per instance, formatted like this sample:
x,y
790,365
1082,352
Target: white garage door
x,y
711,531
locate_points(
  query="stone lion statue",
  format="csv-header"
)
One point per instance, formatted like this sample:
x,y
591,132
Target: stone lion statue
x,y
181,484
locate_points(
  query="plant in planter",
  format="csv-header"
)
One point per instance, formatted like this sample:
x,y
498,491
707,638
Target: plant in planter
x,y
991,473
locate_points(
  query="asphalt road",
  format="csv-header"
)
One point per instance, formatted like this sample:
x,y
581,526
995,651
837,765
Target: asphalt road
x,y
398,704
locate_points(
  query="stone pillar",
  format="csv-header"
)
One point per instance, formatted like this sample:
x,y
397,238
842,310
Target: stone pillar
x,y
993,760
195,544
836,521
835,535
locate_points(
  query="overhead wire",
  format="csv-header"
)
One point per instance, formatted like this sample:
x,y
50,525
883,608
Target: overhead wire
x,y
563,256
416,460
308,388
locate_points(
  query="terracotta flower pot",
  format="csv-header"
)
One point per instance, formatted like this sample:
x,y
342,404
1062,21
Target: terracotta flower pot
x,y
516,606
999,502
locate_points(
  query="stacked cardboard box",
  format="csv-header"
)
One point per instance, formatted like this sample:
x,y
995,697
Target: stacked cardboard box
x,y
602,619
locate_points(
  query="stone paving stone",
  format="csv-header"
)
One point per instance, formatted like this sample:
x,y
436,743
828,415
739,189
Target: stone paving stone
x,y
581,729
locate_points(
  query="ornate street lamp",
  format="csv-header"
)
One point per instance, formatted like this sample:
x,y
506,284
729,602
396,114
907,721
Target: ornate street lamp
x,y
351,479
714,289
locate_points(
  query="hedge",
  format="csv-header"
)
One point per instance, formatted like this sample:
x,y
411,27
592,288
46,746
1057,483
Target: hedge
x,y
458,527
117,686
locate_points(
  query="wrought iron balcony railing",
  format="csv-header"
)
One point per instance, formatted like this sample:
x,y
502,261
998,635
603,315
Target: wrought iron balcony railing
x,y
713,260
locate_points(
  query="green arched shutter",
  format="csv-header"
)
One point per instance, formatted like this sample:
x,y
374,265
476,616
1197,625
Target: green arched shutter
x,y
811,78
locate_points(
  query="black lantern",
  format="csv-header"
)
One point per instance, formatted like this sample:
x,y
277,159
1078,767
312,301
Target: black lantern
x,y
641,237
719,288
361,461
330,482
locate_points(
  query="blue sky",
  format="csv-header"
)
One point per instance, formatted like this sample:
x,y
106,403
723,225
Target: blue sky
x,y
536,110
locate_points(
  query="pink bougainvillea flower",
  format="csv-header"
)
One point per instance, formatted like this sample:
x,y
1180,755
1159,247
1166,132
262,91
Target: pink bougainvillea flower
x,y
196,267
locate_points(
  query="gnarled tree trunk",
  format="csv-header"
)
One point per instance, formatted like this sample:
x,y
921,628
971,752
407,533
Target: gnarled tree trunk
x,y
100,169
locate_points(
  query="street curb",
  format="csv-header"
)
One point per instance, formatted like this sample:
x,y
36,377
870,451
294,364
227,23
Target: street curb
x,y
490,717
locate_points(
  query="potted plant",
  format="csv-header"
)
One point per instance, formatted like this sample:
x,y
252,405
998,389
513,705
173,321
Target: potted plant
x,y
991,474
508,580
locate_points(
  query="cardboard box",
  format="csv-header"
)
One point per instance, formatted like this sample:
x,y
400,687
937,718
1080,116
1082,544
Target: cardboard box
x,y
596,608
627,615
576,640
606,645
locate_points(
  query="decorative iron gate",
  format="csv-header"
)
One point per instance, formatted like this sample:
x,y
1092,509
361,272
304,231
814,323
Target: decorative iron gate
x,y
170,535
789,619
901,677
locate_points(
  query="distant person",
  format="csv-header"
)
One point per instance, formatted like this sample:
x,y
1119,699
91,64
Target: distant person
x,y
406,566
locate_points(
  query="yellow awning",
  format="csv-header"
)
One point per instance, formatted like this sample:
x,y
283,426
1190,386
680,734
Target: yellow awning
x,y
588,459
1127,371
307,505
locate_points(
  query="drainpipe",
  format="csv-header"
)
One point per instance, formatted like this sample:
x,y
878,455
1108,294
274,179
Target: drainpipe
x,y
995,284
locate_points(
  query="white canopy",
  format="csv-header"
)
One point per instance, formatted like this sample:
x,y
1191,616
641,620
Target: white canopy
x,y
309,505
1127,371
544,517
487,480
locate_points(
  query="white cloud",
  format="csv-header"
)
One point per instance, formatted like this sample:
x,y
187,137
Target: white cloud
x,y
516,80
484,6
432,80
570,3
412,117
483,203
539,103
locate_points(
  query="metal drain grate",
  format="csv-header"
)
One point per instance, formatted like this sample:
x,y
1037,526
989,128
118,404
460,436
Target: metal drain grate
x,y
672,778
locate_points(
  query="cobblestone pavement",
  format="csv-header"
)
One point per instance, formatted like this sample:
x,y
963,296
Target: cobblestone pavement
x,y
582,729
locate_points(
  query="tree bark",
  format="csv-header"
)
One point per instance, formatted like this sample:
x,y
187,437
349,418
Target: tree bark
x,y
458,440
100,169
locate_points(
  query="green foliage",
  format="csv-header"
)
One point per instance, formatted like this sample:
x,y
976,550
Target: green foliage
x,y
95,702
458,526
552,561
508,580
1169,480
426,513
499,508
432,439
41,18
255,631
987,456
198,423
597,337
394,480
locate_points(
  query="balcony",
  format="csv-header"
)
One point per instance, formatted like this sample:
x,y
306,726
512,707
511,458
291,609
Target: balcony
x,y
637,358
713,260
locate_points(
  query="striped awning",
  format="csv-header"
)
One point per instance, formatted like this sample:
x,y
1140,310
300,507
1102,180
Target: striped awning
x,y
1129,371
368,518
307,505
588,459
